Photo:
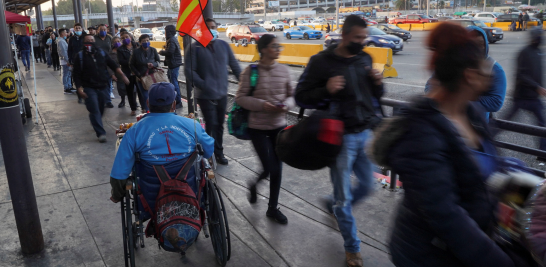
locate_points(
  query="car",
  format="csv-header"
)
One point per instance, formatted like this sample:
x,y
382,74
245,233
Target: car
x,y
140,31
304,32
444,18
376,38
489,17
318,22
154,29
370,22
159,35
273,25
413,19
299,23
508,17
493,34
224,26
230,30
395,30
252,33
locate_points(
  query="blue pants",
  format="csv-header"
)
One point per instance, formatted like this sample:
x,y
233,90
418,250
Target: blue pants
x,y
110,88
534,106
25,57
96,99
143,100
66,77
48,56
173,77
351,158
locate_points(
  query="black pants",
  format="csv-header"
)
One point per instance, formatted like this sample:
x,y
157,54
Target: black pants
x,y
55,60
37,53
534,106
214,113
130,90
264,142
43,54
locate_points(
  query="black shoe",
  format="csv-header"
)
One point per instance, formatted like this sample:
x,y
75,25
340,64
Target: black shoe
x,y
253,194
121,104
68,92
328,203
179,105
221,160
109,105
277,215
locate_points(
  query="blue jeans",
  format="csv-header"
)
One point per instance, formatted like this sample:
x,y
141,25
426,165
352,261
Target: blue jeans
x,y
351,158
173,77
96,99
48,56
25,57
110,87
144,99
66,77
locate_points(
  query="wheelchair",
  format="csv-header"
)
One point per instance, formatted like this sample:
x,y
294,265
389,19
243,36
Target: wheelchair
x,y
215,225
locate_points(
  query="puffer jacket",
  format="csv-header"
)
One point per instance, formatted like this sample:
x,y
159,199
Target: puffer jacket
x,y
173,57
446,212
274,86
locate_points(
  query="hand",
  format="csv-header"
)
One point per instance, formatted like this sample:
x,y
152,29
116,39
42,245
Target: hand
x,y
335,84
150,65
377,78
81,93
125,80
542,91
114,78
272,108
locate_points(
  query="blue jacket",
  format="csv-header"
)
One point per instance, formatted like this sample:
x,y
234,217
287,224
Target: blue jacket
x,y
23,42
493,99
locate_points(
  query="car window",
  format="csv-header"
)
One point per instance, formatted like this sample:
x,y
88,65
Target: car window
x,y
257,29
479,23
466,23
145,31
394,27
242,29
338,30
412,17
295,28
305,28
376,31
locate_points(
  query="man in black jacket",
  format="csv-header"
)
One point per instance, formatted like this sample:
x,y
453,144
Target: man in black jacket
x,y
45,37
91,78
173,60
75,44
343,79
529,82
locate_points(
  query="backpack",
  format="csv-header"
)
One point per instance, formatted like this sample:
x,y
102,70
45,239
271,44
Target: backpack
x,y
238,116
178,218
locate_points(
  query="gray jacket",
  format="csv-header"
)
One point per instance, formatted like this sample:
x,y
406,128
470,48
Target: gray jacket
x,y
62,49
208,68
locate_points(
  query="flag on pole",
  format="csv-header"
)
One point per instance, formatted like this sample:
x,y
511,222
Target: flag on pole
x,y
191,21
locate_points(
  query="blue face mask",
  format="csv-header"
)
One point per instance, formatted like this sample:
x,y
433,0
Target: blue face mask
x,y
102,33
146,44
214,34
78,33
64,37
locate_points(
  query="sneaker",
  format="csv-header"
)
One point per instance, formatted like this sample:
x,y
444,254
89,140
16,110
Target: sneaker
x,y
133,112
112,96
253,194
109,105
277,215
102,138
354,259
121,104
68,92
221,160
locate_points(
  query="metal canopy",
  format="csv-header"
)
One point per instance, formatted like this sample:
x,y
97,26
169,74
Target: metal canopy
x,y
22,4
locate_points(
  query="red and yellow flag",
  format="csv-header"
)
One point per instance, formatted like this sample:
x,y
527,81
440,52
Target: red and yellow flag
x,y
191,22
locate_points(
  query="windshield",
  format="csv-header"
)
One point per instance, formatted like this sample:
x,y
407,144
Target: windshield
x,y
394,27
305,28
479,23
257,29
145,31
276,22
162,31
376,31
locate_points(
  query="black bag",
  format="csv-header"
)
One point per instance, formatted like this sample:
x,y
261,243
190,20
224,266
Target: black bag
x,y
313,143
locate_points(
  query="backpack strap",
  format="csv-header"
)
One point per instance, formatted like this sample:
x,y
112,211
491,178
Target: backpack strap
x,y
254,73
183,173
161,173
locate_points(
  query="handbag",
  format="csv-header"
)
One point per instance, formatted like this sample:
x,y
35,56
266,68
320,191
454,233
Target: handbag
x,y
238,116
157,77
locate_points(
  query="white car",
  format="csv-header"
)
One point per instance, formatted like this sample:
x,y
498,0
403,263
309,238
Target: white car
x,y
140,31
229,30
318,22
273,26
488,17
225,26
159,35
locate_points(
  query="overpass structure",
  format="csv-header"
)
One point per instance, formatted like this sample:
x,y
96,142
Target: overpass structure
x,y
219,16
320,6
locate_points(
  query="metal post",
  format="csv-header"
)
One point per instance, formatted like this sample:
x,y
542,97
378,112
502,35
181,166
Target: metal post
x,y
75,8
393,180
337,14
428,4
80,16
484,5
111,16
265,11
14,150
55,25
38,22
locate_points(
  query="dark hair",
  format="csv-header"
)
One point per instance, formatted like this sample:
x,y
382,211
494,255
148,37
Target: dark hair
x,y
61,30
77,24
142,37
209,20
116,26
352,21
264,41
161,109
100,25
453,53
122,30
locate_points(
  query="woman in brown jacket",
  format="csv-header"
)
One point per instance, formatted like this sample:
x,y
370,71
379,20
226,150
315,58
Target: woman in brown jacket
x,y
272,97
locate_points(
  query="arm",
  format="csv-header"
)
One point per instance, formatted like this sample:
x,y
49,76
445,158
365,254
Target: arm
x,y
233,63
171,47
493,99
70,54
123,165
77,71
206,141
310,89
132,65
290,102
242,98
191,70
122,59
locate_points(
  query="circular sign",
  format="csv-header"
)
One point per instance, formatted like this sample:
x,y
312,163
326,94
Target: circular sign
x,y
8,88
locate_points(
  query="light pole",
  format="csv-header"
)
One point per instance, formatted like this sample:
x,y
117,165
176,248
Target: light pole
x,y
337,14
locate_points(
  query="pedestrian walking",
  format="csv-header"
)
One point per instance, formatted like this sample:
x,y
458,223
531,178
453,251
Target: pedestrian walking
x,y
62,50
92,30
328,29
42,47
103,40
23,44
437,148
75,44
173,60
46,40
208,73
124,59
268,100
144,61
525,20
529,89
54,52
121,86
343,76
36,46
91,78
520,21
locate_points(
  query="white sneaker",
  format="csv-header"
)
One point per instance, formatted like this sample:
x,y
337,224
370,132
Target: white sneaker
x,y
112,96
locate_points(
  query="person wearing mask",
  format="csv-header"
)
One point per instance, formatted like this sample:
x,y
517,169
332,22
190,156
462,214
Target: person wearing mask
x,y
54,52
144,61
23,44
173,60
91,78
436,147
116,28
520,21
529,89
47,45
525,20
343,76
42,47
36,46
75,44
272,97
62,50
92,30
124,58
103,40
122,90
130,35
208,69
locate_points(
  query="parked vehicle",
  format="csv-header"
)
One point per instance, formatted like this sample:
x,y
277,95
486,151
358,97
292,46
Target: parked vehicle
x,y
230,30
376,38
370,22
154,29
444,18
508,17
140,31
273,25
251,33
489,17
304,32
413,19
493,34
159,35
395,30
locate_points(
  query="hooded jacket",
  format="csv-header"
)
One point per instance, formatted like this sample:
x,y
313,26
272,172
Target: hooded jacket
x,y
493,99
446,212
75,44
528,73
173,57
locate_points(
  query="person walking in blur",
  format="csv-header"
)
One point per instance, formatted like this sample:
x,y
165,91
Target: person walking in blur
x,y
328,29
342,78
173,60
103,40
42,47
529,89
525,20
54,52
47,45
62,50
441,150
124,58
208,69
23,44
268,101
143,62
520,21
121,86
36,46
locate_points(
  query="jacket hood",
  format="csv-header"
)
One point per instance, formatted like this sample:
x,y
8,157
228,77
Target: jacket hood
x,y
170,31
480,30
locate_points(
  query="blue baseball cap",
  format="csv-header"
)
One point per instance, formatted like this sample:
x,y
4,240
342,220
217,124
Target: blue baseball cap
x,y
161,94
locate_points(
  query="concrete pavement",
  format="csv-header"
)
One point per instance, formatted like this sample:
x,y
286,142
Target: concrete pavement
x,y
82,227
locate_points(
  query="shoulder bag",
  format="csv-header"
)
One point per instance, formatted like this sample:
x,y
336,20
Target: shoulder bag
x,y
238,116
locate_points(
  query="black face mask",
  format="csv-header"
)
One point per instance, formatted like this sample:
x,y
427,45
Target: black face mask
x,y
354,48
89,47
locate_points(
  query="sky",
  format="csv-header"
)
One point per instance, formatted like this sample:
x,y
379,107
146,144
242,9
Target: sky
x,y
47,5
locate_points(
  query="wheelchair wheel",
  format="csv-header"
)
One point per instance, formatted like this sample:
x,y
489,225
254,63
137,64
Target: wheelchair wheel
x,y
138,225
224,215
216,222
127,225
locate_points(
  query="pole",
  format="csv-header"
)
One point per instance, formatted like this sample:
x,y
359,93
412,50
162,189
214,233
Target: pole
x,y
337,14
55,25
38,15
75,8
14,151
33,74
428,4
80,16
265,11
111,17
484,5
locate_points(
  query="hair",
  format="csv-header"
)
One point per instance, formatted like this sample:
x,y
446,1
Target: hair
x,y
100,25
77,24
116,26
61,30
209,20
115,39
142,37
87,35
264,41
352,21
161,109
122,30
454,51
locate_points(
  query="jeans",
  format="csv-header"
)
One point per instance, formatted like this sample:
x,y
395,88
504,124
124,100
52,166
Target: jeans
x,y
351,158
265,141
96,99
66,77
173,77
25,57
534,106
48,57
143,100
214,112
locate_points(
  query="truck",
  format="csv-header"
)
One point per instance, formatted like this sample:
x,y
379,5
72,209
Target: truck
x,y
412,19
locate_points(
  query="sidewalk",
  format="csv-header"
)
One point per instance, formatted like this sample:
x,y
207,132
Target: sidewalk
x,y
82,227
